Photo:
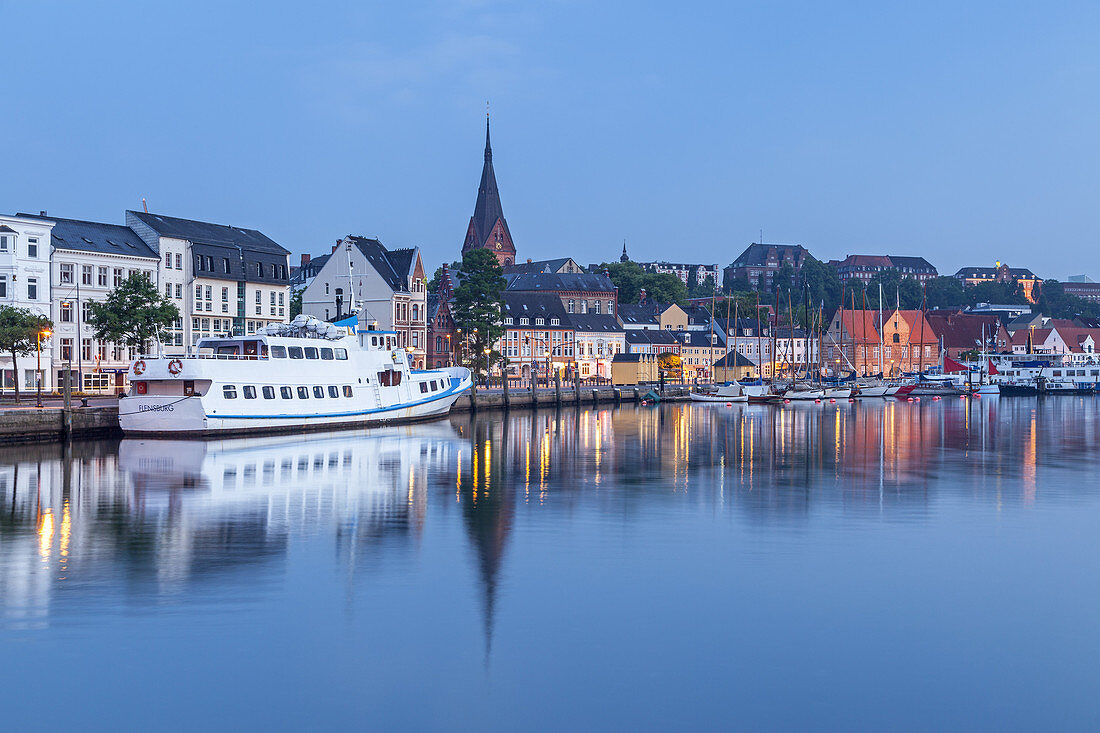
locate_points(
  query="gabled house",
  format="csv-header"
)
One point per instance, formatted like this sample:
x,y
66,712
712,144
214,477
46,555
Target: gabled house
x,y
385,288
910,343
852,342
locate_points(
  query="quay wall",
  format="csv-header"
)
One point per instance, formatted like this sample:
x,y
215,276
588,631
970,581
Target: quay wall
x,y
30,425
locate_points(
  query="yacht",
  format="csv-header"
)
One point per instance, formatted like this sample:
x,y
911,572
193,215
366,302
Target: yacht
x,y
306,375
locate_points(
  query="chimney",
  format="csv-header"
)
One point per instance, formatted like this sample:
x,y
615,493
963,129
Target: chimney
x,y
641,297
606,272
529,260
334,248
305,259
42,212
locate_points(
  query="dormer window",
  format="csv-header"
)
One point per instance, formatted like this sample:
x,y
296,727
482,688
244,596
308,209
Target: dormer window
x,y
524,321
540,321
555,322
507,321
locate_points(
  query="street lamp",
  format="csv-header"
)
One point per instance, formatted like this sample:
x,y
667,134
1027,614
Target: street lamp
x,y
44,332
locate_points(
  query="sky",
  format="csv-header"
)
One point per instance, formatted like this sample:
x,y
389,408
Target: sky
x,y
963,132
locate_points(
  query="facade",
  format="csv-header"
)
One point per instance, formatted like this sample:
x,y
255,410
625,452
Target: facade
x,y
225,280
488,229
88,261
911,345
580,294
864,267
538,335
734,367
760,262
25,283
852,342
387,288
442,341
558,266
698,352
689,274
959,333
1089,291
598,338
651,341
751,340
1027,280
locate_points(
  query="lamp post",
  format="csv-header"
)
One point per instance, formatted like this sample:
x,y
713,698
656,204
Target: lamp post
x,y
38,376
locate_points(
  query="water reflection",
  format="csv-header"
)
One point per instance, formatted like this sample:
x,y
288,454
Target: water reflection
x,y
154,518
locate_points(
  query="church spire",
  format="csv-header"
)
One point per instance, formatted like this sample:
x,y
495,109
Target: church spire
x,y
624,257
488,229
488,147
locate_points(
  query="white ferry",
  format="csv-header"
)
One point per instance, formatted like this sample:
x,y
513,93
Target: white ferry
x,y
307,375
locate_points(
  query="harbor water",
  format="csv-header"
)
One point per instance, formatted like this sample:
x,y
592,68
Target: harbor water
x,y
882,564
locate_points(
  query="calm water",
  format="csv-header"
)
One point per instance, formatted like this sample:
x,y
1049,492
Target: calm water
x,y
879,565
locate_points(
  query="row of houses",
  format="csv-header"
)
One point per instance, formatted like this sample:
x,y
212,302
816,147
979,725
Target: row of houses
x,y
224,279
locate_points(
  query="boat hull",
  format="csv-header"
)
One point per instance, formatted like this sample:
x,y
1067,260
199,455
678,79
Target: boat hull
x,y
714,398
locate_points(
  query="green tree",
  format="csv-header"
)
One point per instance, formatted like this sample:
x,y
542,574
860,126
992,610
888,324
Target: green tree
x,y
822,284
1052,301
133,314
19,334
944,292
296,303
696,289
477,307
1005,293
630,279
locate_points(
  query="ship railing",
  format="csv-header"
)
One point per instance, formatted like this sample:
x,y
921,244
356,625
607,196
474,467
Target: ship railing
x,y
216,357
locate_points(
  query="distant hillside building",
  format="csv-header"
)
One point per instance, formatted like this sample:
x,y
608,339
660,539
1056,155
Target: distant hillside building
x,y
488,228
864,267
689,274
759,263
1088,290
1001,273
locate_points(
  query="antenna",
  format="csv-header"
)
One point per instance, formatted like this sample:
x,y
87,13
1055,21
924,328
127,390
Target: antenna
x,y
352,305
144,206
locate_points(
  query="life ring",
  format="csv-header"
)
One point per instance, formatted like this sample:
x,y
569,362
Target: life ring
x,y
394,354
175,366
139,387
139,367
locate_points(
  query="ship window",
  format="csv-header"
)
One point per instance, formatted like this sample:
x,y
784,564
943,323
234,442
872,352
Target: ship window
x,y
269,393
278,352
423,386
311,352
341,354
373,340
396,377
333,391
319,393
249,392
286,393
295,352
303,393
347,390
229,392
326,354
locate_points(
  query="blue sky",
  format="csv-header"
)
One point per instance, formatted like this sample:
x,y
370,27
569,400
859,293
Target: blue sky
x,y
964,132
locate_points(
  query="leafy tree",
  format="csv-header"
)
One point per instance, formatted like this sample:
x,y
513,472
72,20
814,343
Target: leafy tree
x,y
696,289
945,291
630,278
19,329
669,362
1054,302
822,284
783,280
1008,293
133,314
296,303
477,307
433,284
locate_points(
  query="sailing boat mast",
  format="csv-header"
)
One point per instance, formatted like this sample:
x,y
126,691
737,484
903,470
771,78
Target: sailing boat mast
x,y
881,337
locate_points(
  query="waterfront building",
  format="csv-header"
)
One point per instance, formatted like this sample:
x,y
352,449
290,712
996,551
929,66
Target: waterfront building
x,y
910,343
387,285
959,333
88,260
759,263
640,316
864,267
627,369
651,341
580,293
538,335
1027,280
25,283
734,366
691,274
488,228
598,337
750,339
698,352
225,280
852,342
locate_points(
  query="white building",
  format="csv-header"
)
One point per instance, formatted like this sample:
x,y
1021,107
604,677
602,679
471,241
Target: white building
x,y
687,272
25,283
224,279
598,338
387,285
88,260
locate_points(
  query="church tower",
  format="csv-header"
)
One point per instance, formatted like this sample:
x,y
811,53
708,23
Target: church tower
x,y
488,229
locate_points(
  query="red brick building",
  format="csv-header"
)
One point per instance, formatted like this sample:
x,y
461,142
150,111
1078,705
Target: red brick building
x,y
488,228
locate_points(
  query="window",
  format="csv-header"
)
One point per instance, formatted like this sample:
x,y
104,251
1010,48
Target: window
x,y
66,273
168,290
347,390
571,306
319,393
295,352
597,303
66,312
66,349
117,276
281,302
32,247
326,354
333,391
303,393
249,392
286,393
341,354
168,259
209,294
278,352
7,242
179,290
179,261
311,352
423,387
3,286
229,392
32,288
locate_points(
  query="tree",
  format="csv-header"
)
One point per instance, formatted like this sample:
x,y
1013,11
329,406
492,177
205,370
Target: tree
x,y
696,289
1052,301
133,314
477,306
630,279
19,334
669,362
944,292
296,303
433,284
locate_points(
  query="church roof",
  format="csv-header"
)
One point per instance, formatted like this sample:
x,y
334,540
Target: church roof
x,y
487,209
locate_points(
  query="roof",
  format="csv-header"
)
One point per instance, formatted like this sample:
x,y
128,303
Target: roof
x,y
536,266
487,208
991,272
90,236
552,282
207,233
633,313
919,330
657,337
594,322
632,357
431,307
393,266
692,339
899,262
758,254
534,305
735,359
697,314
860,326
913,263
1039,335
960,330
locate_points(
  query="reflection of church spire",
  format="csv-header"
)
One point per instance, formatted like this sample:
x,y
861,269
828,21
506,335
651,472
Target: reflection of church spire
x,y
488,510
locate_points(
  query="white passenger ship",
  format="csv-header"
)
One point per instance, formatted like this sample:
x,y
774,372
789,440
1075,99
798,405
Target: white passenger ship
x,y
307,375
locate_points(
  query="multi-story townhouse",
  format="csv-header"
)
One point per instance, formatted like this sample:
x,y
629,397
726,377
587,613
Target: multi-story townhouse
x,y
698,352
538,335
689,273
579,293
864,267
224,279
598,337
388,286
759,263
88,260
25,283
